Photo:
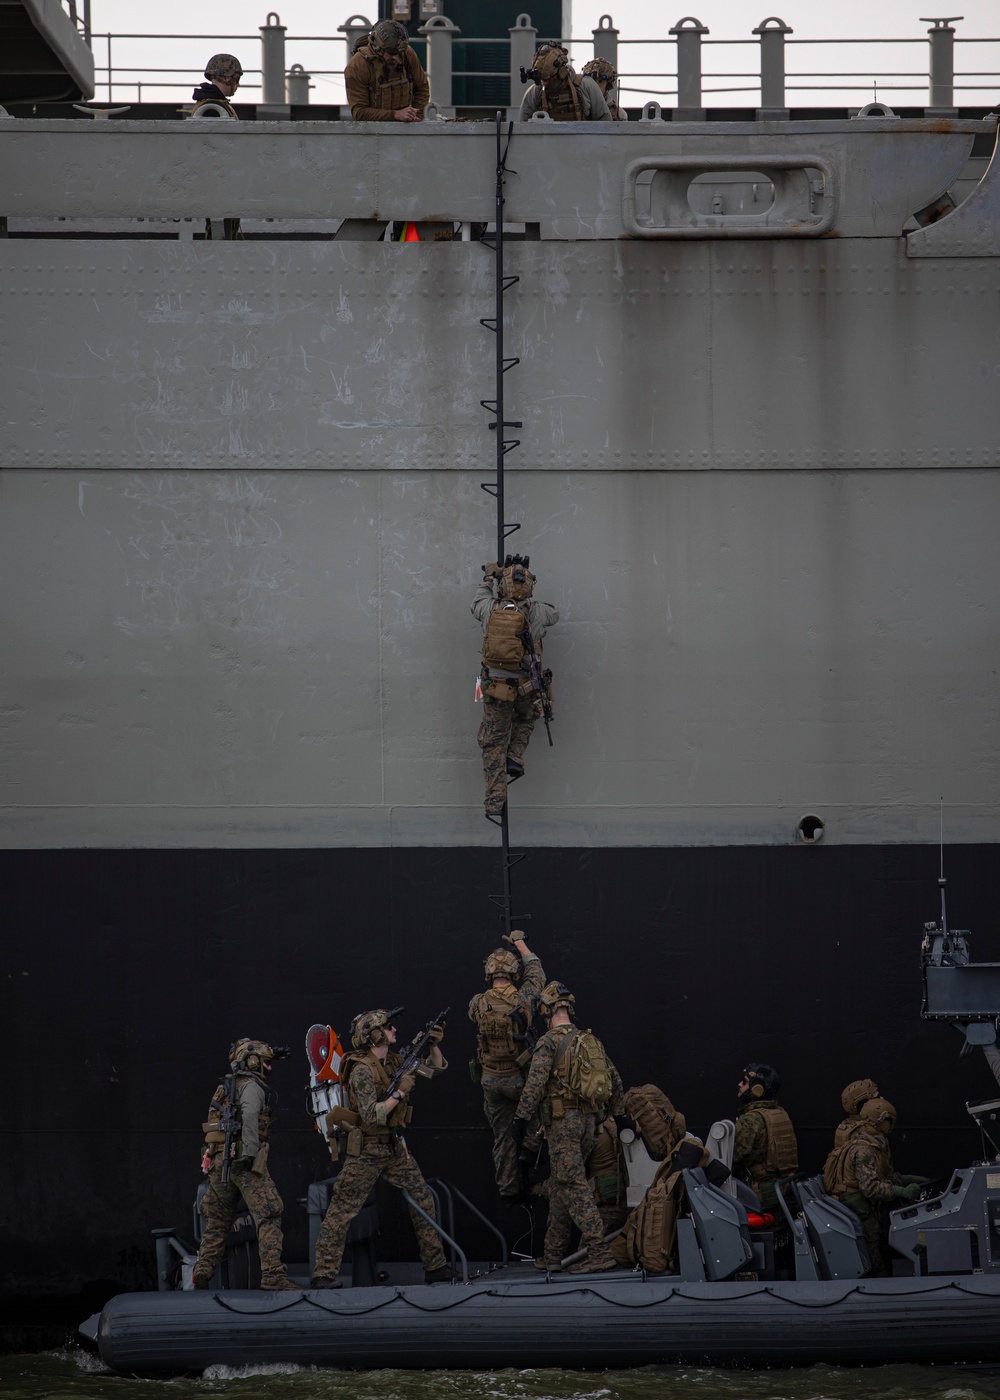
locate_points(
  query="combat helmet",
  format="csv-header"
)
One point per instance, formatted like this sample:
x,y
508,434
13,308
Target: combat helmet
x,y
880,1115
224,65
858,1092
253,1055
368,1027
554,996
601,68
763,1082
502,963
551,63
388,36
515,580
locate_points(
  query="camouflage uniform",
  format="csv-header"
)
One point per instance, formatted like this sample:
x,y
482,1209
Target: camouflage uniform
x,y
249,1178
375,90
502,1089
506,725
868,1180
750,1150
383,1154
571,1141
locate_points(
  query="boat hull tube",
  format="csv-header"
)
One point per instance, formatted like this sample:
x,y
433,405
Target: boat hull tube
x,y
603,1321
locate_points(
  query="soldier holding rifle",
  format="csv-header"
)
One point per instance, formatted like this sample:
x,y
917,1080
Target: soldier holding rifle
x,y
377,1083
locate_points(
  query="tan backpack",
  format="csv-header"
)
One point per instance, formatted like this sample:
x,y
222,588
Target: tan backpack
x,y
502,646
649,1235
658,1123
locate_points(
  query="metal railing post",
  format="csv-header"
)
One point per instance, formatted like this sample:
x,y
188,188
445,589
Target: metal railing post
x,y
352,29
439,31
689,33
272,61
942,74
772,33
297,85
522,50
606,40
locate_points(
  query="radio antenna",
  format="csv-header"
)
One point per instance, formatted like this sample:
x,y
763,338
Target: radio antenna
x,y
941,880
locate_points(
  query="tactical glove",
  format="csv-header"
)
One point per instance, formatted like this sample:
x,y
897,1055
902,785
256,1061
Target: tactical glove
x,y
436,1034
492,569
406,1083
518,1129
907,1193
624,1123
514,935
914,1180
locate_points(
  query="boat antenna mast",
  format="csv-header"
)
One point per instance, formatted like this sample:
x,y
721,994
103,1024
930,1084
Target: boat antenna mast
x,y
941,880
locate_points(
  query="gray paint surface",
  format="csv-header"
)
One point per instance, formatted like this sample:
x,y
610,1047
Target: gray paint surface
x,y
241,523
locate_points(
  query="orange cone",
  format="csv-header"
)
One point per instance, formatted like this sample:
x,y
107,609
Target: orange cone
x,y
409,234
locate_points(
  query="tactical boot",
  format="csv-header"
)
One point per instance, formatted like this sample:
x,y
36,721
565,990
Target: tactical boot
x,y
319,1281
596,1262
551,1266
279,1284
515,770
444,1274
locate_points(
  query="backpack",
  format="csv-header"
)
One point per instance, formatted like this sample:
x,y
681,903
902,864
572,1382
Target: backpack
x,y
584,1064
502,646
649,1235
658,1123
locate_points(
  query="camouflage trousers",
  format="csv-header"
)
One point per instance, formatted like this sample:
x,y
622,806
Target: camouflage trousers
x,y
500,1096
571,1195
218,1206
876,1229
504,731
358,1175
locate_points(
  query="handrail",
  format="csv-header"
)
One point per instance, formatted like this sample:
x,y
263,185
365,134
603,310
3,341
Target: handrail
x,y
448,1188
442,1233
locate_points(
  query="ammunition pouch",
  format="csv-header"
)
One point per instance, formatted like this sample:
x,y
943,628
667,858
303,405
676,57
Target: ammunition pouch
x,y
355,1142
502,690
557,1106
545,1114
475,1072
523,1060
213,1136
340,1117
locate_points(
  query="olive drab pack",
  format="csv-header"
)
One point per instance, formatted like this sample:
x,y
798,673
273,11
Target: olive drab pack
x,y
658,1123
582,1064
502,645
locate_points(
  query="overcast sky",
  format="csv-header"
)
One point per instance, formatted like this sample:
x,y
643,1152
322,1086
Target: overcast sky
x,y
220,20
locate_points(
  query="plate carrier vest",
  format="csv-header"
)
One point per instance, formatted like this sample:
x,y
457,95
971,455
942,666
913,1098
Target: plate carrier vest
x,y
564,103
215,1134
497,1009
389,89
781,1156
383,1071
840,1177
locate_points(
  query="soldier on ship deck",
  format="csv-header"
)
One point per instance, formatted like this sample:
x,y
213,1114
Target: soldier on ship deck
x,y
239,1119
572,1085
374,1119
384,79
511,704
605,76
566,96
503,1015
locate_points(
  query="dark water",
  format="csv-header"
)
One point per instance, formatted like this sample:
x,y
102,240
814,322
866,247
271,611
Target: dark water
x,y
75,1375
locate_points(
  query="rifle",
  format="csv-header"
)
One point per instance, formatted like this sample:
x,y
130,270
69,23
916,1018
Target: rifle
x,y
230,1123
415,1050
538,678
